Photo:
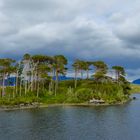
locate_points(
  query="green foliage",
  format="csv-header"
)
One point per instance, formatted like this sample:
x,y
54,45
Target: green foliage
x,y
51,99
86,90
18,100
119,70
67,84
101,70
43,88
84,94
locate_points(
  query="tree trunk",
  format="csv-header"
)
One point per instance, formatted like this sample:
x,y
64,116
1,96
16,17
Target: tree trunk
x,y
3,85
117,76
35,81
75,84
16,82
32,81
56,82
81,74
25,88
87,74
51,83
20,87
37,89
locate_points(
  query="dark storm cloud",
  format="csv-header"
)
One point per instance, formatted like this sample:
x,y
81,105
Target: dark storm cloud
x,y
79,29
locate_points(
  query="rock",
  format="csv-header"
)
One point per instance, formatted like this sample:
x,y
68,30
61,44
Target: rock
x,y
35,104
21,105
96,101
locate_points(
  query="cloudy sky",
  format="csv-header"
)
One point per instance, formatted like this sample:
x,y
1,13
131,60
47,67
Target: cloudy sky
x,y
106,30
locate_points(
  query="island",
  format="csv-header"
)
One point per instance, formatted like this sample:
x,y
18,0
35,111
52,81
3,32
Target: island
x,y
40,81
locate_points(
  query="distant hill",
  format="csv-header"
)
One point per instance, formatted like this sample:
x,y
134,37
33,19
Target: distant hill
x,y
62,78
137,81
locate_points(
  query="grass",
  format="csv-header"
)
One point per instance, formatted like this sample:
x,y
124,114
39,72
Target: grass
x,y
86,89
135,88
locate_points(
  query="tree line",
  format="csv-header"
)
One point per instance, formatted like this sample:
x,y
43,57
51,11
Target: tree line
x,y
35,72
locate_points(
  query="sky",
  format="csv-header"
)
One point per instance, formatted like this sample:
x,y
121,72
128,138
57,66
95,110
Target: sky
x,y
107,30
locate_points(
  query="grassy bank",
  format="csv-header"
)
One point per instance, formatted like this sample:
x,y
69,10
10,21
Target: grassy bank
x,y
135,88
111,93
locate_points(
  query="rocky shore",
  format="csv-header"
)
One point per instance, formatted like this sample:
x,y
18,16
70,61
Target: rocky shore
x,y
41,105
20,106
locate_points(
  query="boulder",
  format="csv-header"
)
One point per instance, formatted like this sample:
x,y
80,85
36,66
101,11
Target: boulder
x,y
96,101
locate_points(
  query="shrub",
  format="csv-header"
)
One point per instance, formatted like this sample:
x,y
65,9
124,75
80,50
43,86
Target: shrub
x,y
84,94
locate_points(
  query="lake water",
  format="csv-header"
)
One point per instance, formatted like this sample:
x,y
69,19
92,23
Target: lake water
x,y
120,122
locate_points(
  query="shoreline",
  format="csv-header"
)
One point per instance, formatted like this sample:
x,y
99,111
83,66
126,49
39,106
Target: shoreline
x,y
17,107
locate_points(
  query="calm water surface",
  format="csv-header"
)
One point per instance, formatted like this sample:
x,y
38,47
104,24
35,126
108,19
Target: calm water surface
x,y
73,123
